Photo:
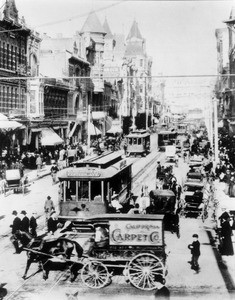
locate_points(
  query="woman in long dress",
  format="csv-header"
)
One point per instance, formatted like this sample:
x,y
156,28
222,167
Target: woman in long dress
x,y
226,233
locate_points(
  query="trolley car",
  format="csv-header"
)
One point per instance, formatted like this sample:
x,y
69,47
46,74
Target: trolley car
x,y
166,138
95,182
138,142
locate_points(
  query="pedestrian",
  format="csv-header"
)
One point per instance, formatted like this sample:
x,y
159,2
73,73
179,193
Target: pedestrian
x,y
52,223
15,226
195,251
159,168
38,164
3,291
48,208
226,245
54,170
125,146
33,224
24,221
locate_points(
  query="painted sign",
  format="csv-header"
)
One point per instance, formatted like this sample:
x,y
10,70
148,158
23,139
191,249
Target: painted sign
x,y
83,173
136,232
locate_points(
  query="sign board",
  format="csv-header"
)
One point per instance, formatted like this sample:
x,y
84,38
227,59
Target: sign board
x,y
136,233
83,173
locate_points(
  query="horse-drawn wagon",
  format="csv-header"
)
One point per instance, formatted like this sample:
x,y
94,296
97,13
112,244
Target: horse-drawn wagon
x,y
115,244
164,202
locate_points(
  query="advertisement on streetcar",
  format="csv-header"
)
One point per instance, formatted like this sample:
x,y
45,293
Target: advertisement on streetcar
x,y
133,233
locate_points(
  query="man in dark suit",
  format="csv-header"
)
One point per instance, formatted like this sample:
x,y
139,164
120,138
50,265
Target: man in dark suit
x,y
33,224
16,225
24,222
195,251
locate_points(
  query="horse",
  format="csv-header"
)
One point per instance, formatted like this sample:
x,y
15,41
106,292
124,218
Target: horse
x,y
51,254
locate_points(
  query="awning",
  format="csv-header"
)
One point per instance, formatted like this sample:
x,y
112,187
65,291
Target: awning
x,y
115,129
94,130
9,125
50,138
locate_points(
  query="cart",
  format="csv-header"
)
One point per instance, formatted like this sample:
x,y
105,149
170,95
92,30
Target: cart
x,y
193,205
164,202
13,181
133,246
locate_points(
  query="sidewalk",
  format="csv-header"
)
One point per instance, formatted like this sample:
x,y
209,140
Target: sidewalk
x,y
225,203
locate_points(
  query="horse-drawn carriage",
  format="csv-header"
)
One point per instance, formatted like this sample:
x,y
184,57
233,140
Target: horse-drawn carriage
x,y
15,182
112,244
164,202
193,204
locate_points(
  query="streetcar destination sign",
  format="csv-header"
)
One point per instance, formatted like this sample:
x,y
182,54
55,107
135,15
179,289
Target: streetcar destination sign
x,y
83,173
139,233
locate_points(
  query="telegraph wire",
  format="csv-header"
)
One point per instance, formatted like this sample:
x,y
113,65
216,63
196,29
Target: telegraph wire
x,y
64,20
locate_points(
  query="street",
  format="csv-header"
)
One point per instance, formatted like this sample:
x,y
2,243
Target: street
x,y
181,280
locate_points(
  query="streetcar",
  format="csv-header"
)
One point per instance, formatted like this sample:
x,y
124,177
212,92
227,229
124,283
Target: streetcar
x,y
138,142
166,138
95,182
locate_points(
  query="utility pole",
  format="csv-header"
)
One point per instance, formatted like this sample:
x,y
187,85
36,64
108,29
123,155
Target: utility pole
x,y
146,103
216,130
88,128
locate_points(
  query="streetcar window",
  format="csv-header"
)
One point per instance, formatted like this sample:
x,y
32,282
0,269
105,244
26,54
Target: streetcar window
x,y
135,141
139,141
130,141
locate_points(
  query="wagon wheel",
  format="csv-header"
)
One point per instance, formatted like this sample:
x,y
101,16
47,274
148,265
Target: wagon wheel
x,y
95,275
145,271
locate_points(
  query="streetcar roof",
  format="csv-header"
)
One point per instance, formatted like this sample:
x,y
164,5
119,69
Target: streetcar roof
x,y
103,161
93,173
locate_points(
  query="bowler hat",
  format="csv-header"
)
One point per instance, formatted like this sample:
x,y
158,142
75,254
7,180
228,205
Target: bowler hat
x,y
195,235
23,212
48,197
14,212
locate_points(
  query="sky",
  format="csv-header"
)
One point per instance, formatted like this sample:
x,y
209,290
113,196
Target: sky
x,y
180,35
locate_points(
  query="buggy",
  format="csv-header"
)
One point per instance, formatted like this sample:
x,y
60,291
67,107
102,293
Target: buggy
x,y
164,202
193,199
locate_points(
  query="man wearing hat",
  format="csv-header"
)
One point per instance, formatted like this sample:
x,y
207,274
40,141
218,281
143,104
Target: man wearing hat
x,y
48,207
52,223
24,221
33,224
16,225
195,251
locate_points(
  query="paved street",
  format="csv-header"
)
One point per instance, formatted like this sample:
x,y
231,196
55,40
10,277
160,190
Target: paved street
x,y
181,280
